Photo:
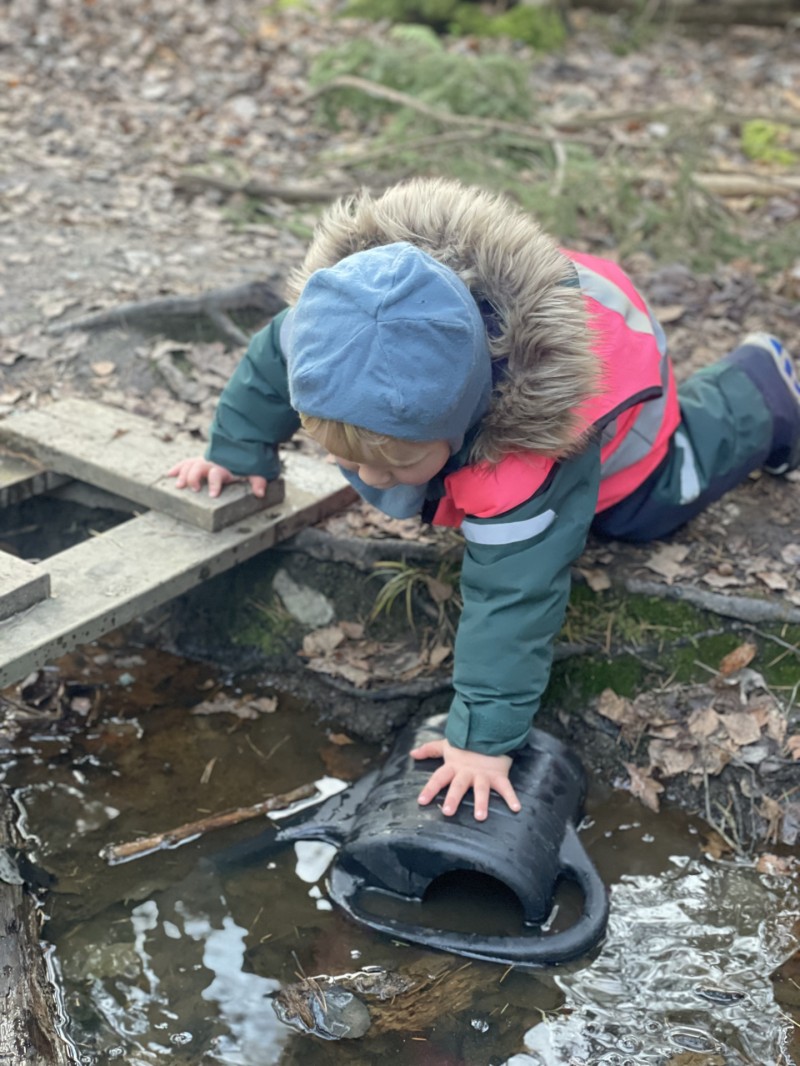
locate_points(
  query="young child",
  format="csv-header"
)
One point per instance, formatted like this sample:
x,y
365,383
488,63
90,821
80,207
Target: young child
x,y
461,367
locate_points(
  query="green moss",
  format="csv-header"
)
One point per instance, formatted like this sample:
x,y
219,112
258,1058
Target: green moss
x,y
765,142
540,27
647,641
434,13
265,628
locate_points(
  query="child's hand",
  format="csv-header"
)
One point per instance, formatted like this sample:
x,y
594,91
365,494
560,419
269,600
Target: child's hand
x,y
465,770
193,472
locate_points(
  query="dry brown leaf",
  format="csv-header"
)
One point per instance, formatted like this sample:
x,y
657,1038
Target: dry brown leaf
x,y
103,369
350,672
712,758
669,731
352,630
440,591
597,580
669,759
777,865
703,722
790,553
776,582
222,704
715,846
737,659
793,746
438,654
340,739
616,708
668,560
772,812
322,641
721,581
644,787
741,727
264,704
769,718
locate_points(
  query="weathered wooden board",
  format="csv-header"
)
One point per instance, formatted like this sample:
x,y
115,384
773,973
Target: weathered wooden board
x,y
21,585
21,478
115,577
124,454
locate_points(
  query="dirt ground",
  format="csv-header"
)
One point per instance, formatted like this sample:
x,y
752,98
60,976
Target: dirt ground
x,y
105,108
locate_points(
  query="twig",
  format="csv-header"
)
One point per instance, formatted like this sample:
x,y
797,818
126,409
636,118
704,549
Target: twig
x,y
445,118
118,853
775,640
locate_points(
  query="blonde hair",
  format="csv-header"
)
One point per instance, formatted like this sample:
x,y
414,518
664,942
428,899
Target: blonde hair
x,y
356,444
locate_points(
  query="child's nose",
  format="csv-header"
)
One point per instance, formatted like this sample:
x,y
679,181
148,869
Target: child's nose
x,y
376,479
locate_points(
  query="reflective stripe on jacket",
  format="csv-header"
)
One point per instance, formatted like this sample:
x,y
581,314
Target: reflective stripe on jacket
x,y
636,412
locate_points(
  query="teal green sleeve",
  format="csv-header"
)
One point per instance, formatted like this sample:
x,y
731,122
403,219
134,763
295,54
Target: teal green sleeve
x,y
254,413
515,593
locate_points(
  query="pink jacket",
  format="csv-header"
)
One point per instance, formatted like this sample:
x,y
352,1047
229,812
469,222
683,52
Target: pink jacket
x,y
636,410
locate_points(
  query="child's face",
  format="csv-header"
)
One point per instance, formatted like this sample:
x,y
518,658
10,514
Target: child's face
x,y
410,464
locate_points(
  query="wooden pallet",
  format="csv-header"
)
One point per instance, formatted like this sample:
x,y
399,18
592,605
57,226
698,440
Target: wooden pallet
x,y
173,541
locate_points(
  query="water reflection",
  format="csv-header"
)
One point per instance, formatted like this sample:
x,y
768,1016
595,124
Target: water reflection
x,y
685,968
173,957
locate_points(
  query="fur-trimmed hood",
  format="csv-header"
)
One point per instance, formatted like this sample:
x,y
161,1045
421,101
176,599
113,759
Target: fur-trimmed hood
x,y
504,258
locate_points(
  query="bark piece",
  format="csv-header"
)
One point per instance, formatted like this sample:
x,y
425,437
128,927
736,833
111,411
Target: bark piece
x,y
31,1020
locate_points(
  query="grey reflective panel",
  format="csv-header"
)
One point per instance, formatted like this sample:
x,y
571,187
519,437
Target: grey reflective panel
x,y
639,439
507,532
611,296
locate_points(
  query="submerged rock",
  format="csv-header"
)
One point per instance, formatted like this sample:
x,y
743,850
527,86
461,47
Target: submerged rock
x,y
330,1012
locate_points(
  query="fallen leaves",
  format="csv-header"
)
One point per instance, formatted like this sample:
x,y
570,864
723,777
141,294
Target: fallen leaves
x,y
737,659
643,786
244,707
698,729
668,560
343,651
777,865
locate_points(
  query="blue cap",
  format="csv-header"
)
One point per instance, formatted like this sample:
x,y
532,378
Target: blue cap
x,y
391,340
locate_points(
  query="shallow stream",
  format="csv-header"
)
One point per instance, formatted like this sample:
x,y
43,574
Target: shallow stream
x,y
174,957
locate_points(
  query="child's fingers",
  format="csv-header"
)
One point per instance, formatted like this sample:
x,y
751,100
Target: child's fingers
x,y
216,479
438,780
433,749
503,787
480,793
459,787
258,485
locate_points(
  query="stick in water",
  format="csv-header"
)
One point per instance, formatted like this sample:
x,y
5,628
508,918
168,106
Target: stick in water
x,y
135,849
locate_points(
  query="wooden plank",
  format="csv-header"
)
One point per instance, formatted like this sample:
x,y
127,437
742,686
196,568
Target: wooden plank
x,y
115,577
21,478
127,455
21,585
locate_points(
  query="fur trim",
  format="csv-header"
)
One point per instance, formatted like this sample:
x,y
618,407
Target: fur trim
x,y
503,256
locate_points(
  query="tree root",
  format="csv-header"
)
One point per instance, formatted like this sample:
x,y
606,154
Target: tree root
x,y
742,608
167,313
260,190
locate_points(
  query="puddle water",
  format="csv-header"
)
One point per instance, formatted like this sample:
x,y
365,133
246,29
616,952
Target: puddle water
x,y
178,956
